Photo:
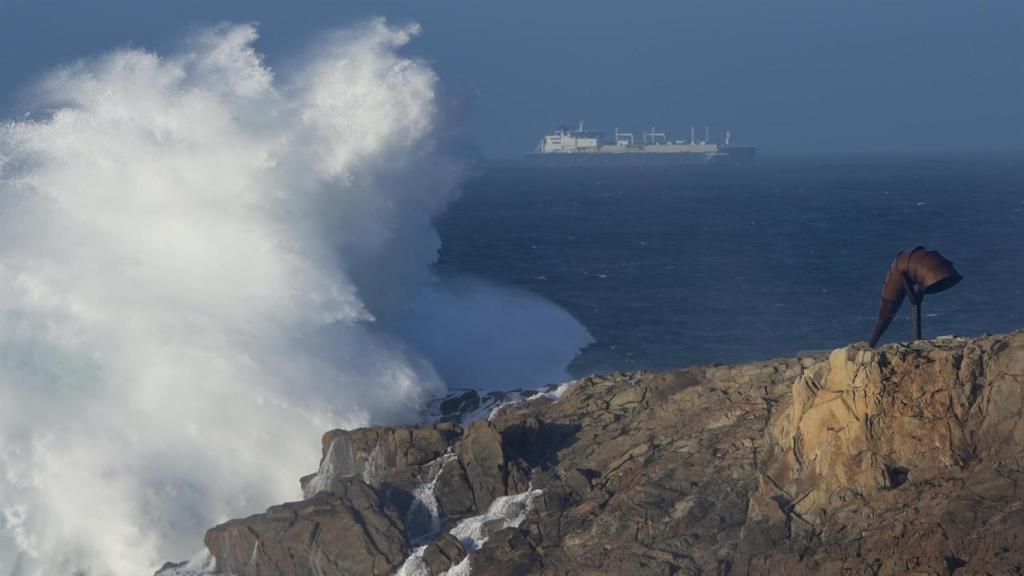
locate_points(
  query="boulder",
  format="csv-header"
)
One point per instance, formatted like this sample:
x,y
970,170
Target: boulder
x,y
454,495
348,532
393,456
506,553
443,553
483,459
456,407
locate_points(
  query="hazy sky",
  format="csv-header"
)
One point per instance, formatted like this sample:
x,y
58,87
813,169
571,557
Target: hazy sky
x,y
791,77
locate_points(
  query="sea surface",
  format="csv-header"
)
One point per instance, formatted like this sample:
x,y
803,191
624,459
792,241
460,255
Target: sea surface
x,y
671,267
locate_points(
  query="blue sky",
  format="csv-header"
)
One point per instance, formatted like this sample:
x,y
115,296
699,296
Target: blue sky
x,y
792,77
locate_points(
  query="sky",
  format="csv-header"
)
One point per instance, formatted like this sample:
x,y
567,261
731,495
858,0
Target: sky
x,y
791,77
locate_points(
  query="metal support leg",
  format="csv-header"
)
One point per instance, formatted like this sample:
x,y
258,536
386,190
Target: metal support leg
x,y
916,298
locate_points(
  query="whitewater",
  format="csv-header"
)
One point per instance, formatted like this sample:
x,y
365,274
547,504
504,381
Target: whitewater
x,y
204,265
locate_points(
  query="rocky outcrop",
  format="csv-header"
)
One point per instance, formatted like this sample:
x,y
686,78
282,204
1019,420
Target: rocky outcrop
x,y
350,531
443,553
906,459
483,458
909,458
380,456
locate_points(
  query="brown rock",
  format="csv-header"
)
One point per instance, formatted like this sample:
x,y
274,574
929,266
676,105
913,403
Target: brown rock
x,y
394,456
483,459
351,532
506,553
443,553
766,526
454,496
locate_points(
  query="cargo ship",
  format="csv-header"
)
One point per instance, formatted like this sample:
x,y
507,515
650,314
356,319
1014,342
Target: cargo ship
x,y
579,147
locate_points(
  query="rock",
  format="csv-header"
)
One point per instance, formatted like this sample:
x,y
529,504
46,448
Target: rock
x,y
464,407
483,459
453,493
906,459
903,446
766,525
349,532
506,553
394,456
169,567
443,553
454,408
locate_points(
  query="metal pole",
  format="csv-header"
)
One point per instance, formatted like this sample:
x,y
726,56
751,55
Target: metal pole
x,y
916,298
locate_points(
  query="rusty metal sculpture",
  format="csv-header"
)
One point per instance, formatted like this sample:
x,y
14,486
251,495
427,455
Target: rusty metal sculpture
x,y
913,274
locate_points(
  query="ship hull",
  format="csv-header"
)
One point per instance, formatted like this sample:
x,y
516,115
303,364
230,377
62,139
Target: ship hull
x,y
724,155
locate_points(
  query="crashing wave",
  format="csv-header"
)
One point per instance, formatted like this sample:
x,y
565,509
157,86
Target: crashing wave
x,y
204,264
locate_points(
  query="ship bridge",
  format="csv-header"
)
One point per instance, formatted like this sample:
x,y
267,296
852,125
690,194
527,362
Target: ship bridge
x,y
567,140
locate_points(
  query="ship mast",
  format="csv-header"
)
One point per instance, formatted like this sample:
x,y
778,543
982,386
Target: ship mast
x,y
652,137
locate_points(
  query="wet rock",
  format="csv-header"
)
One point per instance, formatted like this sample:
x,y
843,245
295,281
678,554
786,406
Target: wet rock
x,y
393,456
349,532
452,490
483,458
443,553
169,568
454,408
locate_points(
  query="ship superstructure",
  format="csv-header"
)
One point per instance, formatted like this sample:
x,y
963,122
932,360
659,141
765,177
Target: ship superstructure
x,y
579,147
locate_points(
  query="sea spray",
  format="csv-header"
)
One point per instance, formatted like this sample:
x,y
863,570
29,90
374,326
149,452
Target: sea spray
x,y
423,518
473,532
205,264
504,512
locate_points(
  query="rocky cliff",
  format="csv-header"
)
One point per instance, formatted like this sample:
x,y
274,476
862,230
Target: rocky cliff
x,y
901,460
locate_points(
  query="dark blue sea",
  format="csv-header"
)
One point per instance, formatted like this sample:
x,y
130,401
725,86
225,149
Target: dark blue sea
x,y
679,266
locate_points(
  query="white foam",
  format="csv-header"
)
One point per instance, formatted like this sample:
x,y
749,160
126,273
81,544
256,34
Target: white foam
x,y
204,265
492,402
328,469
423,519
554,393
504,512
464,568
414,565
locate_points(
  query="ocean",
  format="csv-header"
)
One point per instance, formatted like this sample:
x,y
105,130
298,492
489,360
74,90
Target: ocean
x,y
674,267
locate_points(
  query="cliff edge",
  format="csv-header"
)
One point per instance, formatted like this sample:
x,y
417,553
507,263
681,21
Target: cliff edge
x,y
905,459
